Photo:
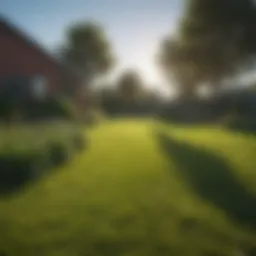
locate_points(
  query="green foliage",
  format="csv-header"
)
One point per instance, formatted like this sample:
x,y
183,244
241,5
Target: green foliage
x,y
58,154
242,125
130,87
128,96
79,142
87,49
177,65
49,108
18,169
28,152
7,108
110,101
214,40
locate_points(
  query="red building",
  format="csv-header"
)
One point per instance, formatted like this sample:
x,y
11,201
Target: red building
x,y
26,69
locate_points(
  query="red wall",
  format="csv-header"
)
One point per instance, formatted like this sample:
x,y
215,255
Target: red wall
x,y
18,57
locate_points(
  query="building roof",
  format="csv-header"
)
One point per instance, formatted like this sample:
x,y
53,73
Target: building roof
x,y
10,27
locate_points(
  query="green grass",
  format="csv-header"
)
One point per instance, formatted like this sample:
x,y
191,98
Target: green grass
x,y
237,148
124,196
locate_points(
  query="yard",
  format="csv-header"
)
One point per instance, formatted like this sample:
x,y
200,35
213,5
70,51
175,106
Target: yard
x,y
140,188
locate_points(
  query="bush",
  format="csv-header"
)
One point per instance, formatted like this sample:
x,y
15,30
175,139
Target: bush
x,y
90,119
33,110
243,125
58,154
79,142
7,108
39,164
18,170
50,108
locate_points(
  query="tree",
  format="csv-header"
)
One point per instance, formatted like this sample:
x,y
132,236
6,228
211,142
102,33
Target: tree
x,y
130,87
215,38
87,50
109,100
175,65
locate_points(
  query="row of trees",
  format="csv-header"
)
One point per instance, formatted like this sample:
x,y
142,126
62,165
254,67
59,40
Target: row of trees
x,y
128,95
88,51
215,40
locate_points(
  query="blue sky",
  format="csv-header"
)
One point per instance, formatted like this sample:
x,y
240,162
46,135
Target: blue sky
x,y
135,27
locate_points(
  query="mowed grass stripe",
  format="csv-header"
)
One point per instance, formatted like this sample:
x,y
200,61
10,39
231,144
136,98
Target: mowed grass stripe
x,y
119,197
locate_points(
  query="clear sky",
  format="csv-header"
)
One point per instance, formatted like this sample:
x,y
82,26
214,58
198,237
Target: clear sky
x,y
135,27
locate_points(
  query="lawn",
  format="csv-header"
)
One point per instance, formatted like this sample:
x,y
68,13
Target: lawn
x,y
129,195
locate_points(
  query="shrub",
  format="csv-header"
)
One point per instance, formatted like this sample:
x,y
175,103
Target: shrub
x,y
90,119
50,108
17,170
33,110
188,225
7,108
39,164
244,125
79,142
13,173
58,154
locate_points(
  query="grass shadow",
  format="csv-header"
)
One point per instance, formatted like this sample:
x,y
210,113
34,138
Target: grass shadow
x,y
212,178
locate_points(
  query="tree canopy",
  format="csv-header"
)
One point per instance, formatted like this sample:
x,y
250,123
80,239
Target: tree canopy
x,y
87,49
130,86
214,39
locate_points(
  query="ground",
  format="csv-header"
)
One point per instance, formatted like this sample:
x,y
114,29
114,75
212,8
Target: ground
x,y
133,192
